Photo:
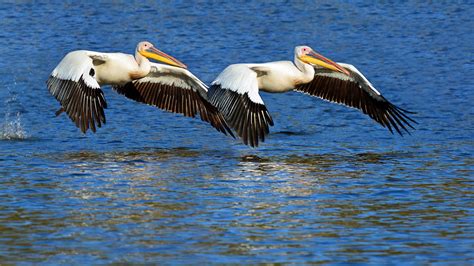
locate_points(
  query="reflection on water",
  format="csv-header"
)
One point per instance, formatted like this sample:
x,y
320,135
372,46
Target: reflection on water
x,y
173,201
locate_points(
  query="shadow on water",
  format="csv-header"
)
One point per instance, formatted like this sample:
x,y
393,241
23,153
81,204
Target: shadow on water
x,y
291,133
147,154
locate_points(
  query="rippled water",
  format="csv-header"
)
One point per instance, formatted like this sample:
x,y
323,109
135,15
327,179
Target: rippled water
x,y
328,186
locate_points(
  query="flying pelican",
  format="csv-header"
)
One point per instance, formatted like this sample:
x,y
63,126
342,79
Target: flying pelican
x,y
77,80
235,92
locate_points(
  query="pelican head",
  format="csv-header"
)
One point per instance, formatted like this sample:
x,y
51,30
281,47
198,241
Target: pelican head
x,y
148,50
307,55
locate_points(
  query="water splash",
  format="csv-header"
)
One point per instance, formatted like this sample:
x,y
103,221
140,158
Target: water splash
x,y
12,127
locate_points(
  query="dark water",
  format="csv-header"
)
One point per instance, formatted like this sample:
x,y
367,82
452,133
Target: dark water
x,y
329,185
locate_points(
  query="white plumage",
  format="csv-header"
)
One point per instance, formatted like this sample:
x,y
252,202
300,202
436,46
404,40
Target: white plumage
x,y
241,79
236,92
77,79
76,65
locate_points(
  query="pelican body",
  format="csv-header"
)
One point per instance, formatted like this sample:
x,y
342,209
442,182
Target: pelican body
x,y
76,83
236,92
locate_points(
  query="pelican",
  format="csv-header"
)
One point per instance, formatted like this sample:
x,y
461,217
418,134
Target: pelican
x,y
235,92
76,83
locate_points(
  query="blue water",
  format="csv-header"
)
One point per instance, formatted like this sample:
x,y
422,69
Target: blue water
x,y
328,186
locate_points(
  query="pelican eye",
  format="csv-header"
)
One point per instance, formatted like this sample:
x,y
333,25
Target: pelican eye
x,y
92,72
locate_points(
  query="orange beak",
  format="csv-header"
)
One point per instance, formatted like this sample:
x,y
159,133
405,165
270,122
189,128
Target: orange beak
x,y
317,59
158,55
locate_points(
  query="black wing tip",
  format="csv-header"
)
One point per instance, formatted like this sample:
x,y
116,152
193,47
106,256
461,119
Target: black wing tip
x,y
405,113
211,114
221,125
248,119
405,110
59,112
186,102
398,118
354,95
84,112
229,131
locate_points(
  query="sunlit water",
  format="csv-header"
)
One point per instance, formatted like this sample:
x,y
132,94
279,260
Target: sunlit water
x,y
329,185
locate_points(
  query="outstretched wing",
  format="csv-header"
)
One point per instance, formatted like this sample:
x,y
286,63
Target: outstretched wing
x,y
357,92
235,93
74,85
175,90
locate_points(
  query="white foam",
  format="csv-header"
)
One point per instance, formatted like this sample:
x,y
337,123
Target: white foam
x,y
12,128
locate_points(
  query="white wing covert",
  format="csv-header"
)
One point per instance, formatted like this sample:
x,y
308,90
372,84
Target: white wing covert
x,y
235,93
74,85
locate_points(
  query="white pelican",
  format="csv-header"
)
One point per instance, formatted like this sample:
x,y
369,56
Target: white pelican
x,y
76,83
236,92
